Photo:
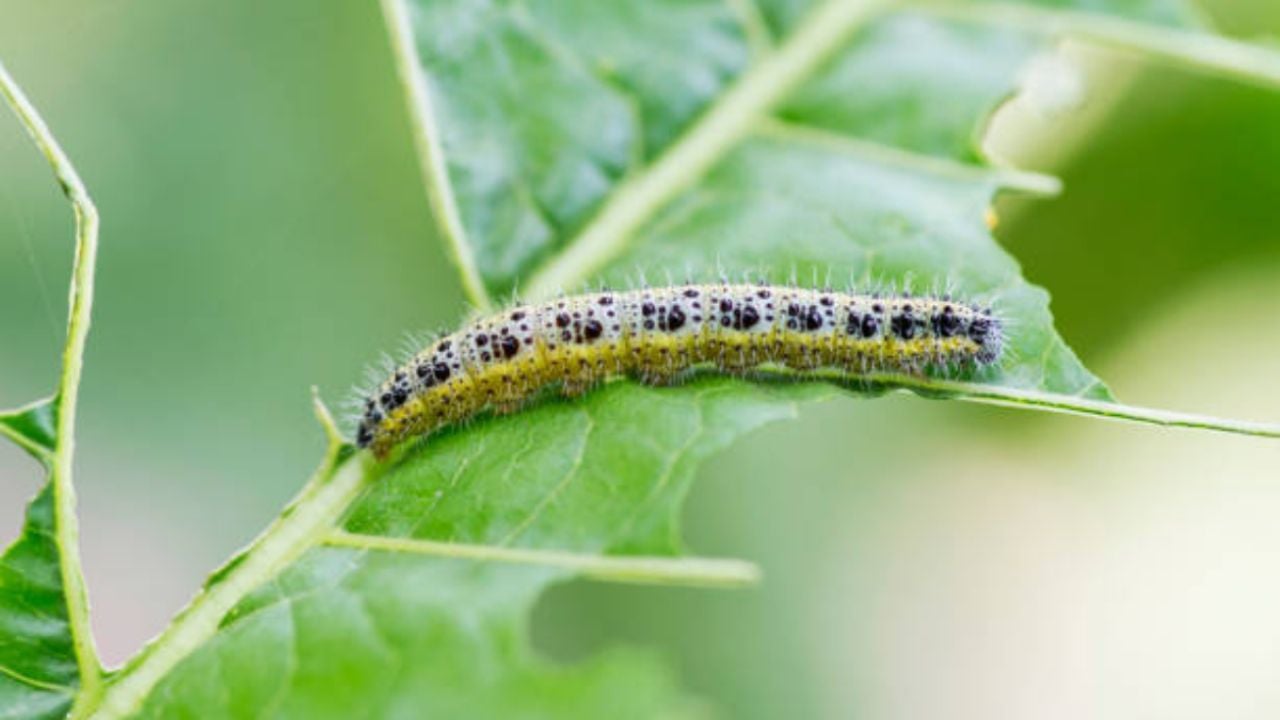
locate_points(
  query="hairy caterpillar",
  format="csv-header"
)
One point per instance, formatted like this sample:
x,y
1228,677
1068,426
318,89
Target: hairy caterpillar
x,y
655,334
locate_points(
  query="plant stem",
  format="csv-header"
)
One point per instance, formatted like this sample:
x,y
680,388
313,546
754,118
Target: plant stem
x,y
1020,398
1007,178
694,571
60,466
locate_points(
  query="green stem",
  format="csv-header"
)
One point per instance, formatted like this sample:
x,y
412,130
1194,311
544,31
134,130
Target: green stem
x,y
1069,405
1015,397
60,467
1007,178
1193,49
754,27
694,571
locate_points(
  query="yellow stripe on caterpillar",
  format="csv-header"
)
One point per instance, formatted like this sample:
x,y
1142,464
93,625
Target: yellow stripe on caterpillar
x,y
655,334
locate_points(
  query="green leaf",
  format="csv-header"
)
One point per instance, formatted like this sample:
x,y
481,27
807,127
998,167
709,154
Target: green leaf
x,y
737,191
38,673
604,475
799,202
448,636
32,428
616,83
573,141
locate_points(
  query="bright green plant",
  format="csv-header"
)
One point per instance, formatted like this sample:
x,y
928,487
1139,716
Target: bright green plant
x,y
566,143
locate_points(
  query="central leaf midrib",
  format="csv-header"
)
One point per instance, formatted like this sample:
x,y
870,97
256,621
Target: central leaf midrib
x,y
728,121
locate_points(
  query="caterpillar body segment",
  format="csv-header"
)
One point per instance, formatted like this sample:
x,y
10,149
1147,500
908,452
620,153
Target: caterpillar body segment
x,y
655,334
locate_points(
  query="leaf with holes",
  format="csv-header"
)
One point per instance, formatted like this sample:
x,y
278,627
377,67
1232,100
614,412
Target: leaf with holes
x,y
573,141
38,673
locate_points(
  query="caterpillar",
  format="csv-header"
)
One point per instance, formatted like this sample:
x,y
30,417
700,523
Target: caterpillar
x,y
656,334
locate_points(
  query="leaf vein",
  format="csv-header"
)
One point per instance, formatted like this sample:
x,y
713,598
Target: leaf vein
x,y
569,476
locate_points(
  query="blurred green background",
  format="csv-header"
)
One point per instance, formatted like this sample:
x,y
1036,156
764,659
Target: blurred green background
x,y
265,230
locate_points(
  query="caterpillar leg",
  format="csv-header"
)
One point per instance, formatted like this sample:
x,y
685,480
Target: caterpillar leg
x,y
662,378
575,388
728,358
507,407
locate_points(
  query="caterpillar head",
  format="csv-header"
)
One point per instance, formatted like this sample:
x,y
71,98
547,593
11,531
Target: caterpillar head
x,y
988,332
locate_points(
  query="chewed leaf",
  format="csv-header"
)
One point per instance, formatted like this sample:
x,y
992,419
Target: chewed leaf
x,y
604,475
599,475
859,184
31,427
38,674
407,637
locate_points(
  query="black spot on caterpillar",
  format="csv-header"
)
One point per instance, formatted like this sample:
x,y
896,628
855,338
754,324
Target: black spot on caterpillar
x,y
656,334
